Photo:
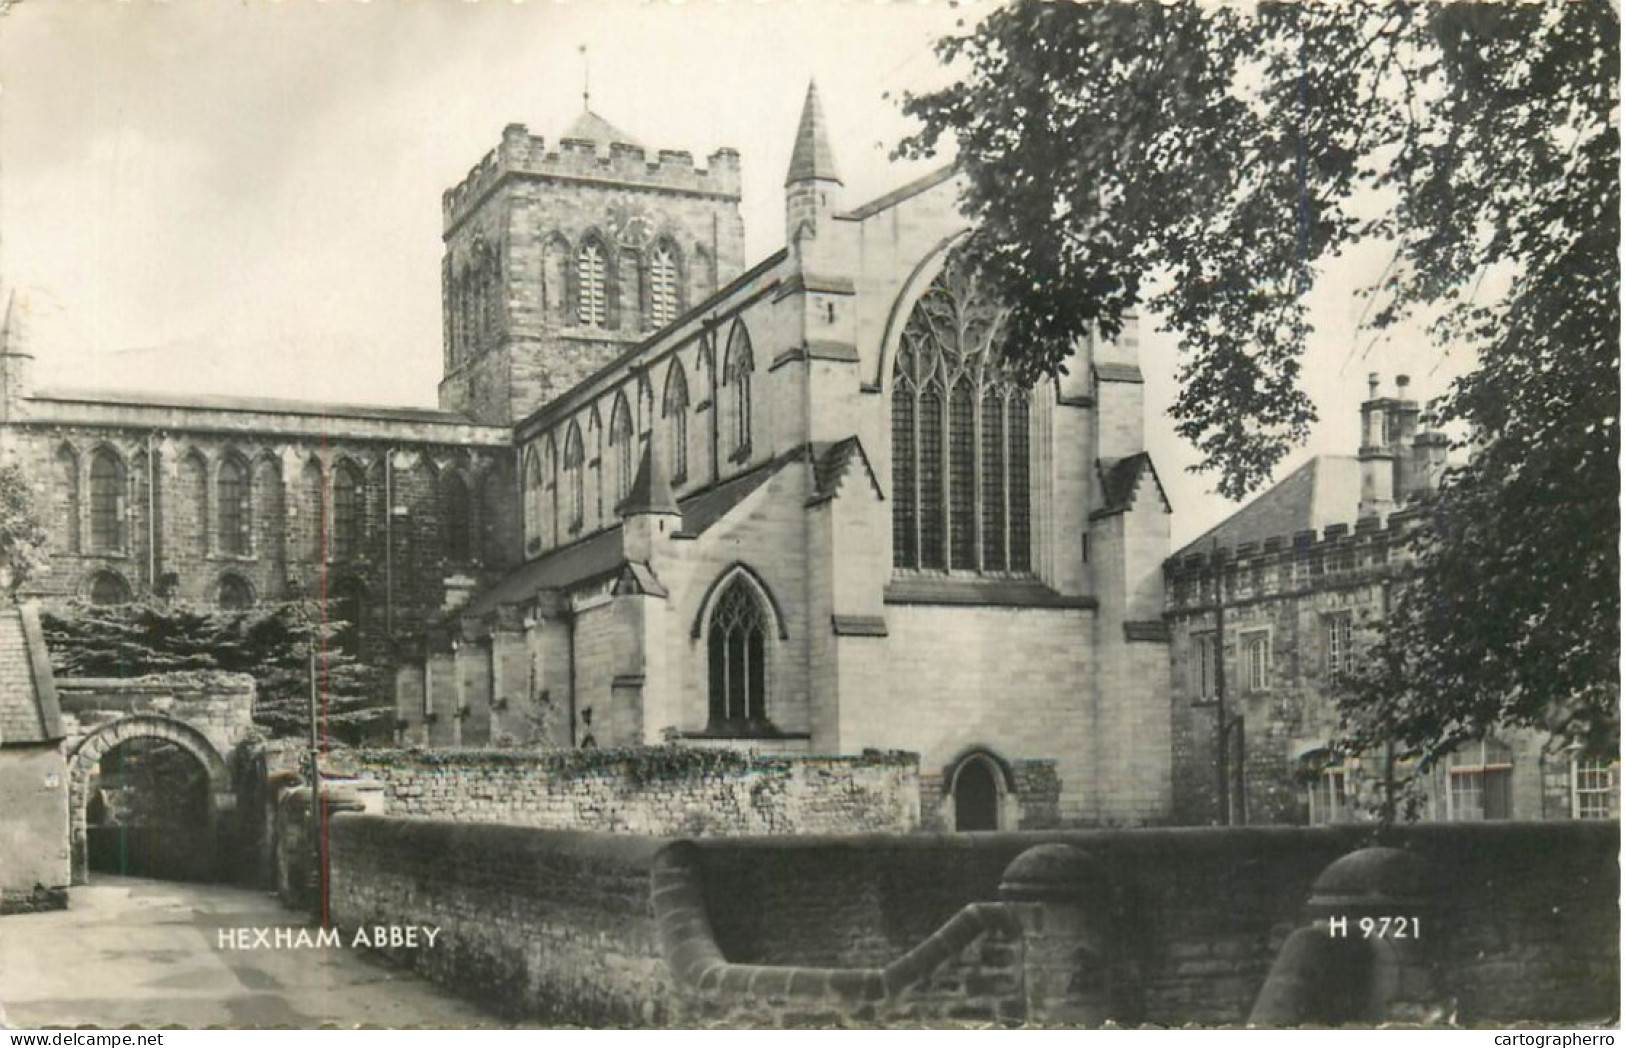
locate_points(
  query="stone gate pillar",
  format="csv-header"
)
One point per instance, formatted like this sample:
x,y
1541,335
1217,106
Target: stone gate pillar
x,y
1062,899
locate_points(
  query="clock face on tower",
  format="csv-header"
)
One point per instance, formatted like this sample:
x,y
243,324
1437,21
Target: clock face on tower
x,y
630,224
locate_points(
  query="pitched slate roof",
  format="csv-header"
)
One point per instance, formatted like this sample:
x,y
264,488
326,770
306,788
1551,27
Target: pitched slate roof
x,y
593,128
1325,490
651,490
812,159
830,463
1121,479
600,556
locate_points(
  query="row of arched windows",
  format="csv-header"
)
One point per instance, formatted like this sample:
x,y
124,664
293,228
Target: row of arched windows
x,y
597,284
594,284
555,485
235,509
961,429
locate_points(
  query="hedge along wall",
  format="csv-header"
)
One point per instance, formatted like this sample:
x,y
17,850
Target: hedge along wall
x,y
1528,928
656,791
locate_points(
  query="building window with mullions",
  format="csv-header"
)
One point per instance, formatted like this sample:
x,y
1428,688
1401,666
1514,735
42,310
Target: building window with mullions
x,y
961,440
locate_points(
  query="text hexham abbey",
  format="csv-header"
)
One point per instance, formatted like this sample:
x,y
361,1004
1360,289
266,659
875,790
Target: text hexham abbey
x,y
795,507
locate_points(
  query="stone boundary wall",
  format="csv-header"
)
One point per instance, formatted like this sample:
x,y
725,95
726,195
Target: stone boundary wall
x,y
1529,928
654,791
601,929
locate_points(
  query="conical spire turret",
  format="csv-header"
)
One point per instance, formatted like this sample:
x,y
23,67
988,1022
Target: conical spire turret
x,y
812,160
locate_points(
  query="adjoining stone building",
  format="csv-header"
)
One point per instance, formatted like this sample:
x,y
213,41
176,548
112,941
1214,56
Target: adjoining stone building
x,y
1303,595
798,507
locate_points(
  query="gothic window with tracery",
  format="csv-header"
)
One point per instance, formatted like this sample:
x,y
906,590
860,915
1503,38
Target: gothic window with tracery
x,y
663,303
738,658
961,438
592,284
674,413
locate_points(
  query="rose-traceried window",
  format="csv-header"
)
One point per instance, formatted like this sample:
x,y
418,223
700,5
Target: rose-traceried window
x,y
962,497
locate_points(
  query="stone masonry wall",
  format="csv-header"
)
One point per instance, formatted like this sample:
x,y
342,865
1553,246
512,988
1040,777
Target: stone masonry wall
x,y
581,928
653,791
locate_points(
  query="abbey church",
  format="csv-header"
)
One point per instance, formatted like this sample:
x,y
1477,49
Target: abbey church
x,y
791,504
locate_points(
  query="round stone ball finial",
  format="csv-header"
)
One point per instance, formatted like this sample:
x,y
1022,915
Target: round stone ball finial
x,y
1051,872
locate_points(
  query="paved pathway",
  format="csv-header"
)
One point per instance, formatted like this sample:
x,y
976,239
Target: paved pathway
x,y
140,952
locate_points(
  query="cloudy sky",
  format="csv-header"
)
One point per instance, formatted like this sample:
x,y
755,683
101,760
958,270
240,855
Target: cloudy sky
x,y
243,197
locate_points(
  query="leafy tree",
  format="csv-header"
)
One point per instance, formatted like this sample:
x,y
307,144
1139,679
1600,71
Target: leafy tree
x,y
272,644
1206,162
22,536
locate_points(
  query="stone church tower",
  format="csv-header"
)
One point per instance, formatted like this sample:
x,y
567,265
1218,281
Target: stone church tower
x,y
557,261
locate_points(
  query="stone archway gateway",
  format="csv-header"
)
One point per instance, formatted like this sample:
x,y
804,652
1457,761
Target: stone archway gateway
x,y
86,756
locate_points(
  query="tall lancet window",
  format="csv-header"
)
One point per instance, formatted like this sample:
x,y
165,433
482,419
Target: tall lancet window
x,y
574,470
621,441
592,285
736,371
961,498
663,283
674,414
106,502
737,653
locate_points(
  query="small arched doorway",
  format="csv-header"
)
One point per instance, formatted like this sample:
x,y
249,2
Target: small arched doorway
x,y
145,795
977,788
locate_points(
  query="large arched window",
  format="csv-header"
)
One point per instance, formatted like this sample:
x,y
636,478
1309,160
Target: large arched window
x,y
232,490
347,511
455,510
106,502
575,475
67,498
674,416
592,284
736,372
620,443
663,285
961,497
737,656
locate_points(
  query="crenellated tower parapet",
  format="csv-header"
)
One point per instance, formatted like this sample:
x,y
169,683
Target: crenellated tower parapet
x,y
1289,565
522,155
